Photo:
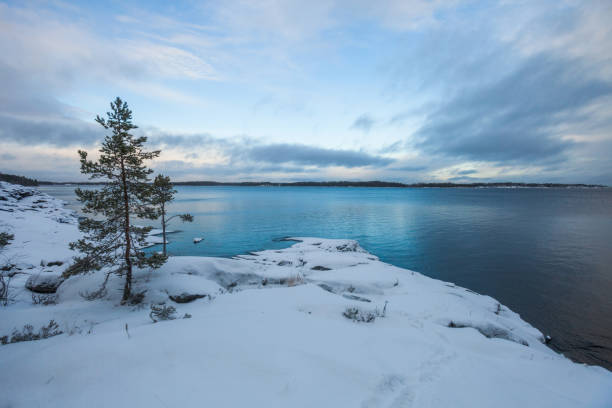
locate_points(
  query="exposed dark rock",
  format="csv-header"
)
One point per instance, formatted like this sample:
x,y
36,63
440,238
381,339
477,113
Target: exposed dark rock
x,y
354,297
21,194
348,247
186,297
491,332
326,287
285,263
320,268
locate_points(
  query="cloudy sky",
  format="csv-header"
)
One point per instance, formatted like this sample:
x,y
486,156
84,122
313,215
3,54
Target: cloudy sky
x,y
402,90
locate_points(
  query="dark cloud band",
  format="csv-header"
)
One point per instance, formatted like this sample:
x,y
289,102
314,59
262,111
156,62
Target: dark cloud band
x,y
517,117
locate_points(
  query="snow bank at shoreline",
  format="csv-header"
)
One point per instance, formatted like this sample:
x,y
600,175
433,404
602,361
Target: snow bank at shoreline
x,y
273,328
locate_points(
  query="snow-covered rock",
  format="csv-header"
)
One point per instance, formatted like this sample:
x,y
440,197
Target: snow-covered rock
x,y
280,328
44,282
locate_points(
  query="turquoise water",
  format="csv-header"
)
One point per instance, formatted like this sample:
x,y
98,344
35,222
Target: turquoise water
x,y
546,253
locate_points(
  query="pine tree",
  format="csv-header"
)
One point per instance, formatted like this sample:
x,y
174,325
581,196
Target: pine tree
x,y
163,193
111,239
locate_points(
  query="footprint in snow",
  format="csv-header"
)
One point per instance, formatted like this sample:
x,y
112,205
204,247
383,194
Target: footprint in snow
x,y
392,392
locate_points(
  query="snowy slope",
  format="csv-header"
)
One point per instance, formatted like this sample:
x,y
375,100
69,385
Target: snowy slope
x,y
271,331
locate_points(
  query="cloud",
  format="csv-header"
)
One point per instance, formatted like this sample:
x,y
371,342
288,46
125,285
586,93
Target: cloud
x,y
295,20
409,168
50,131
364,123
504,88
467,172
403,15
518,117
61,50
246,149
314,156
392,148
191,171
184,141
30,116
7,156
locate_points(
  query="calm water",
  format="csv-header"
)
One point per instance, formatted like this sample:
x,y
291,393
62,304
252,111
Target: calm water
x,y
545,253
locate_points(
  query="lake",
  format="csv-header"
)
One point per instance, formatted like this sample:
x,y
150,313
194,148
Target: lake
x,y
545,253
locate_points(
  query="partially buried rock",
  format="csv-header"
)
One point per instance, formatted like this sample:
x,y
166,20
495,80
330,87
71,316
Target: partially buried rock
x,y
44,282
186,297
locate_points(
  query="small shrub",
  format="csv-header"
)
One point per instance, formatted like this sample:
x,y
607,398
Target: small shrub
x,y
94,294
162,312
357,315
367,316
498,309
5,284
5,238
28,333
136,298
295,280
44,299
5,278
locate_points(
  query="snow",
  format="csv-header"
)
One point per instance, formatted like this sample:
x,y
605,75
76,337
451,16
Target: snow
x,y
155,237
271,332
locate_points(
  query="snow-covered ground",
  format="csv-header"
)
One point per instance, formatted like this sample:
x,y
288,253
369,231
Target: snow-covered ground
x,y
277,328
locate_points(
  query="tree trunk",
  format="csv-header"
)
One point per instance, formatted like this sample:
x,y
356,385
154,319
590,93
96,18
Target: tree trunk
x,y
163,215
128,241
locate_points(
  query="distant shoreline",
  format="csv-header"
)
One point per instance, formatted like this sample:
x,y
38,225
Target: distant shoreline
x,y
357,184
25,181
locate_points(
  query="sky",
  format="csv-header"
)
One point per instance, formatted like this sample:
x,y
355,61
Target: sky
x,y
409,91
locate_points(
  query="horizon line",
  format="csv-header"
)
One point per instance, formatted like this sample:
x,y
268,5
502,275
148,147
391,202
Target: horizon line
x,y
352,183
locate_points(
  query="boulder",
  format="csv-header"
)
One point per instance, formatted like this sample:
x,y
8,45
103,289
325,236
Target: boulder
x,y
44,282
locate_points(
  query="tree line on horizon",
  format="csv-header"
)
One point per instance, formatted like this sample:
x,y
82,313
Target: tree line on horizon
x,y
21,180
345,183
